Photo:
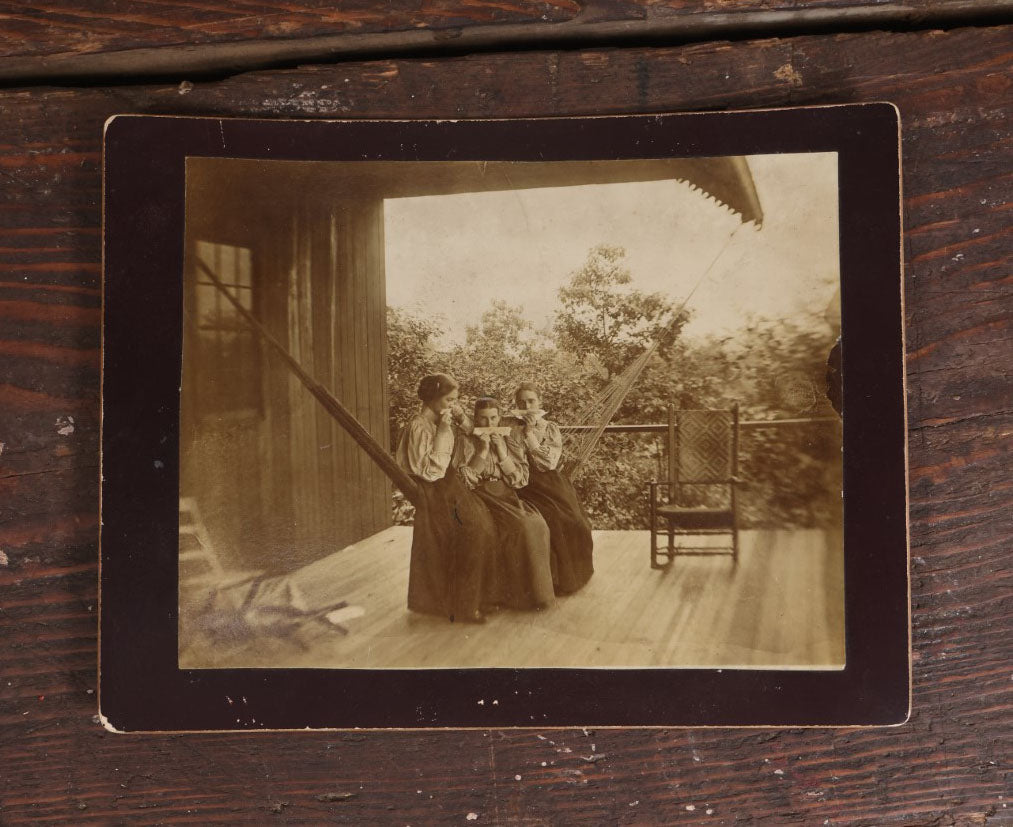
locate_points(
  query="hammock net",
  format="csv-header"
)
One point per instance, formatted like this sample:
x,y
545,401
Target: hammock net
x,y
581,436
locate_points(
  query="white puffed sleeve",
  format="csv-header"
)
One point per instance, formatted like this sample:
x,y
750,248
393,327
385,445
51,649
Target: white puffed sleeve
x,y
545,456
425,450
515,468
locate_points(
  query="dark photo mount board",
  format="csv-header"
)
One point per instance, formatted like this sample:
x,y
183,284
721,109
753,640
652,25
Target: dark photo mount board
x,y
141,687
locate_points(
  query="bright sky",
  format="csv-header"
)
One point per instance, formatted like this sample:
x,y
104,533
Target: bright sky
x,y
452,255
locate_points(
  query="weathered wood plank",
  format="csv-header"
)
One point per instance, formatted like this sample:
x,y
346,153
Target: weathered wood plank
x,y
945,767
141,39
76,27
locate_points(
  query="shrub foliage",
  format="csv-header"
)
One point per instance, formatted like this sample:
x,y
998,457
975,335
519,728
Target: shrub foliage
x,y
773,369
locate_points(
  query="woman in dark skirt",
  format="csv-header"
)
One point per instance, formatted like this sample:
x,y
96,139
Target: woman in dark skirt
x,y
454,537
552,493
494,466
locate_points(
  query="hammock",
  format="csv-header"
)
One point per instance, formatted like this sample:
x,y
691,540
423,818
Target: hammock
x,y
581,436
725,180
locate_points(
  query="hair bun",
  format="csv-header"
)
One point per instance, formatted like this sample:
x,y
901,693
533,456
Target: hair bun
x,y
436,385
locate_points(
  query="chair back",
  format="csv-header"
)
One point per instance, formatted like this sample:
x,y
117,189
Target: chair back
x,y
707,446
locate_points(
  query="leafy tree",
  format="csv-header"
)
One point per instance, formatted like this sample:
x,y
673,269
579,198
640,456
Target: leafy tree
x,y
777,370
504,349
504,327
602,315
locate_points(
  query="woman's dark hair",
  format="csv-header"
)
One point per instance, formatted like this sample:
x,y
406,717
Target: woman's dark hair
x,y
436,385
484,403
527,386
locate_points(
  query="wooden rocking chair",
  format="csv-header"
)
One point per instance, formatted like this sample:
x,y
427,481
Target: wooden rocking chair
x,y
699,496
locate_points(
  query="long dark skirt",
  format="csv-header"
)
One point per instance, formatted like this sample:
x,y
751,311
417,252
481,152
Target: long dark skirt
x,y
572,547
523,577
453,543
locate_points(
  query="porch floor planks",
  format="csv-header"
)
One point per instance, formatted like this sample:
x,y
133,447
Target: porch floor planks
x,y
782,606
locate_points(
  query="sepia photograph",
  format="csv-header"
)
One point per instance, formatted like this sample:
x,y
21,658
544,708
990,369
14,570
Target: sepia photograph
x,y
517,414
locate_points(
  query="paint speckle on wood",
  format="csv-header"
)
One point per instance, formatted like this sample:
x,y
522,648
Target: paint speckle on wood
x,y
789,74
330,797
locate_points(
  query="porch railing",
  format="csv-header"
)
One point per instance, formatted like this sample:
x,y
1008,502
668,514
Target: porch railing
x,y
655,428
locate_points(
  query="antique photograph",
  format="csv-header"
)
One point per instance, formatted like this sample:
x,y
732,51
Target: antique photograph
x,y
471,414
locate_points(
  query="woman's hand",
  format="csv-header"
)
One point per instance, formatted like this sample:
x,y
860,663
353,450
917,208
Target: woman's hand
x,y
457,412
446,417
483,447
499,445
530,421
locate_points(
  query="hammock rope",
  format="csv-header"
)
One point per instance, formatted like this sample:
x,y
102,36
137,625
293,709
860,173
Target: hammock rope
x,y
592,420
345,418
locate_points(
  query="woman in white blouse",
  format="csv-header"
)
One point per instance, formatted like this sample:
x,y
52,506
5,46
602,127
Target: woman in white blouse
x,y
454,536
494,466
552,494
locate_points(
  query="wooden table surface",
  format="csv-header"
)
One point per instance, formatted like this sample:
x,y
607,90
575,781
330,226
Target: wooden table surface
x,y
946,65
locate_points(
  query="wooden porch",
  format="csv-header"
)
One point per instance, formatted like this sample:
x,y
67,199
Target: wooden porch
x,y
782,606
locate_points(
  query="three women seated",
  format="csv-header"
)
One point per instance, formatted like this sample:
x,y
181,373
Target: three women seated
x,y
497,525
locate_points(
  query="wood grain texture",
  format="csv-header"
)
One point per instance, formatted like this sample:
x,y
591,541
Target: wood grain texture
x,y
947,766
65,27
74,40
30,27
